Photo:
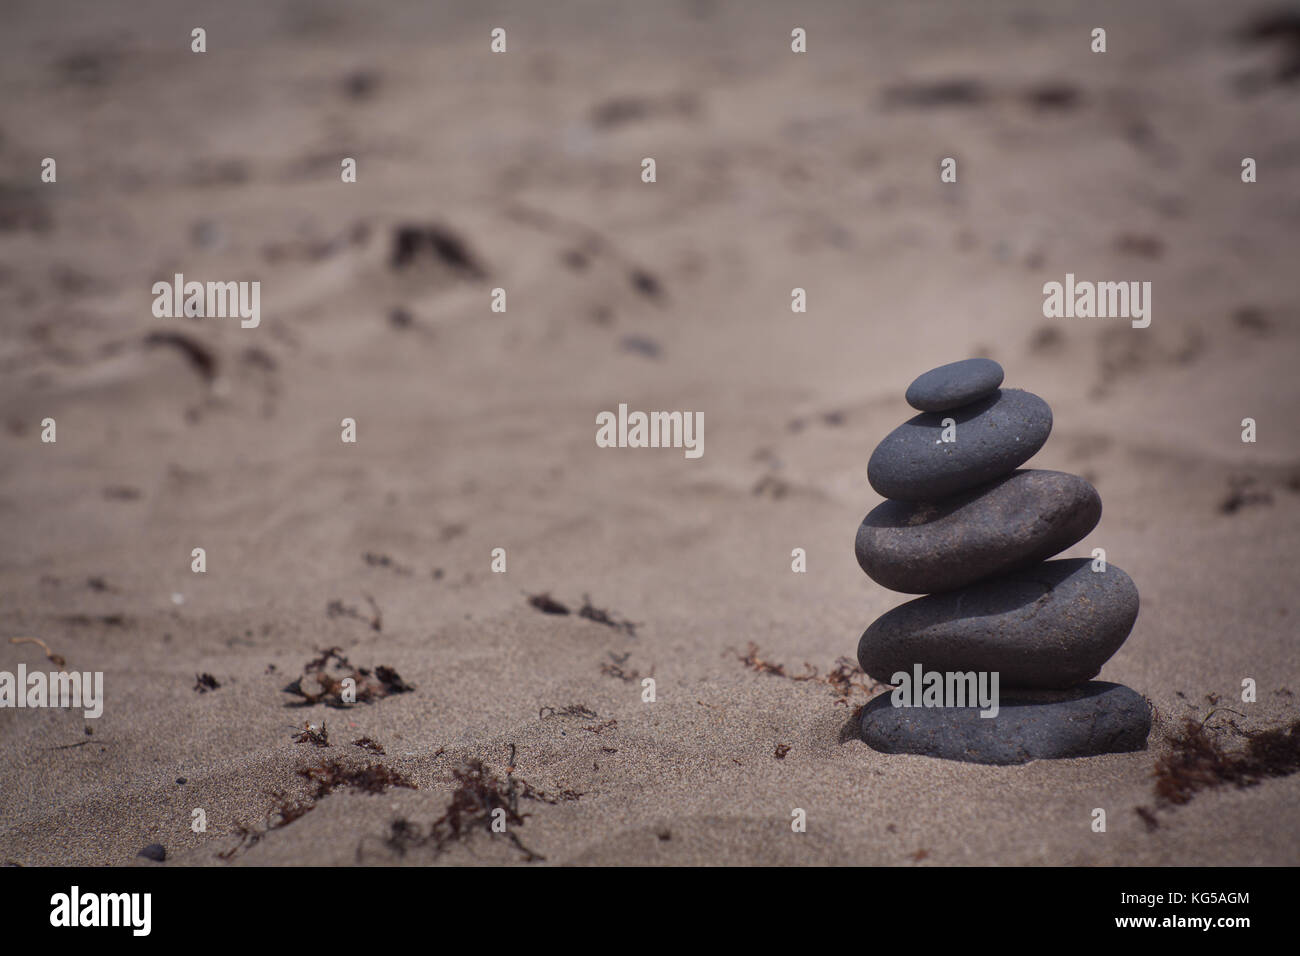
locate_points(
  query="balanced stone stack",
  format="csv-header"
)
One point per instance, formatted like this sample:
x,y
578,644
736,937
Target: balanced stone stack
x,y
964,525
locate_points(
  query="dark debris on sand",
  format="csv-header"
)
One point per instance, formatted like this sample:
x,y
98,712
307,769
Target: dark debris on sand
x,y
200,356
616,667
480,798
546,604
337,608
1279,29
601,616
322,681
1198,760
1054,95
333,775
377,560
57,659
623,110
646,283
325,778
312,735
1243,492
414,242
844,678
956,91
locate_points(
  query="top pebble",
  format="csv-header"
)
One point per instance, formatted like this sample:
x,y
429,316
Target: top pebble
x,y
954,385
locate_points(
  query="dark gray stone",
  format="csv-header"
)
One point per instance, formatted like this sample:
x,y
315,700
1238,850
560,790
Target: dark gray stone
x,y
155,852
994,436
1094,718
1049,626
921,547
954,385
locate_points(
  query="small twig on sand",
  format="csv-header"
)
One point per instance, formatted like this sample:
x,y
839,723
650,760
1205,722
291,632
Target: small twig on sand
x,y
55,658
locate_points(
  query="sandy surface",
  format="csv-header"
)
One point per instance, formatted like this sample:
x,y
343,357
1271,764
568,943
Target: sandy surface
x,y
475,429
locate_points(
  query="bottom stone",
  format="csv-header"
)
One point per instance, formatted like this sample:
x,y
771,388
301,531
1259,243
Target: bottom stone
x,y
1094,718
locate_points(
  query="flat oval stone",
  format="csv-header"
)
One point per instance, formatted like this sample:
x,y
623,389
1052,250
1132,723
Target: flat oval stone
x,y
954,385
993,437
1094,718
1049,626
920,547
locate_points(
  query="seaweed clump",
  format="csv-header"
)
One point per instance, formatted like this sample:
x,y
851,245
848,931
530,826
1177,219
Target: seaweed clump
x,y
1198,761
481,803
323,681
843,679
326,777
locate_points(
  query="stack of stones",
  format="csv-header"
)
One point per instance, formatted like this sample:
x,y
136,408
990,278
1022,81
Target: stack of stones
x,y
964,525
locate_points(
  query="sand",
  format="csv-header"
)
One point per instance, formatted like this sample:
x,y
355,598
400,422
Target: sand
x,y
476,429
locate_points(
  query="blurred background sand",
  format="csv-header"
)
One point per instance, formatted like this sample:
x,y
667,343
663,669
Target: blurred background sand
x,y
476,430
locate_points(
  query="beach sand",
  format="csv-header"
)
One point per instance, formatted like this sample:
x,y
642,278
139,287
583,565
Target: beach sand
x,y
475,429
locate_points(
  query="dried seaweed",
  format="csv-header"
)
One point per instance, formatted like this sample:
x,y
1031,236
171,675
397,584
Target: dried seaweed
x,y
322,681
755,662
326,778
842,679
480,799
601,616
312,735
1198,760
332,775
614,668
205,682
